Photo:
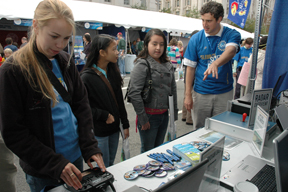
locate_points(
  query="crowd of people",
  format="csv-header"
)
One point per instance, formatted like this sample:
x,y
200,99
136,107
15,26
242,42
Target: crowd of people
x,y
53,117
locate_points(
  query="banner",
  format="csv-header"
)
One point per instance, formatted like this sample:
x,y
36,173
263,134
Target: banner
x,y
90,25
78,48
238,11
23,22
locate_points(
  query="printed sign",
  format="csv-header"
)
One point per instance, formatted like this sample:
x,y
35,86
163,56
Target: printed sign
x,y
90,25
23,22
261,97
238,11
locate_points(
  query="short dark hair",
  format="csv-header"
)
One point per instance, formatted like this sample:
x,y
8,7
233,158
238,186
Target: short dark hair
x,y
216,9
144,53
249,41
263,42
87,37
9,40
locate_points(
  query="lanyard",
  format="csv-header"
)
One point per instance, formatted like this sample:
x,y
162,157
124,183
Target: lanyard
x,y
218,41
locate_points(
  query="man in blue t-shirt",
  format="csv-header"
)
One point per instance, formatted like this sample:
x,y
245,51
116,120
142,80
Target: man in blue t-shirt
x,y
9,42
239,60
209,68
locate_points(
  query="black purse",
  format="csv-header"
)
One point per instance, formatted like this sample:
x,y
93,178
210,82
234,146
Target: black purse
x,y
146,92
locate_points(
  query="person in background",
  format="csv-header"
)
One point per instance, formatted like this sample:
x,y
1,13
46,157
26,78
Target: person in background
x,y
208,60
108,111
152,117
7,53
1,50
173,53
139,46
121,49
10,45
23,41
240,58
260,62
87,44
187,115
133,47
181,48
51,135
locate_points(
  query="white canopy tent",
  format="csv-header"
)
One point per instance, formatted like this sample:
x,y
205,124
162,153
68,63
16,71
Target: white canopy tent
x,y
104,13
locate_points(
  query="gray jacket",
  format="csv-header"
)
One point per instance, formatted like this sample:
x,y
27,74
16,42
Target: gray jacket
x,y
163,85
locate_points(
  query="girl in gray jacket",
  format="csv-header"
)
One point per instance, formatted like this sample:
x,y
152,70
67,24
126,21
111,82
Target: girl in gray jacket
x,y
153,116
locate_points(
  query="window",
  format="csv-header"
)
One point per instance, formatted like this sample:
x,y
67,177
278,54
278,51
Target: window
x,y
188,2
126,2
168,5
187,12
107,1
177,13
177,3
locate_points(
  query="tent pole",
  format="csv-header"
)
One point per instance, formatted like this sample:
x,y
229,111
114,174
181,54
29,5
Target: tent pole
x,y
252,74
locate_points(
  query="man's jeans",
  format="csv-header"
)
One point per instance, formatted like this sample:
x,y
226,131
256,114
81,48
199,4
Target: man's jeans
x,y
121,65
108,146
36,184
154,136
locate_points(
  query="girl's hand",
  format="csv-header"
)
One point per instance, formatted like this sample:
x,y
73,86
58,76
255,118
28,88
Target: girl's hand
x,y
110,119
146,126
99,160
72,176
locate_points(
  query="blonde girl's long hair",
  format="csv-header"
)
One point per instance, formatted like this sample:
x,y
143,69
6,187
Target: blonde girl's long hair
x,y
26,58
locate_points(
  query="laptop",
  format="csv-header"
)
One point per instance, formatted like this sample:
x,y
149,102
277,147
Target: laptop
x,y
247,99
282,114
281,161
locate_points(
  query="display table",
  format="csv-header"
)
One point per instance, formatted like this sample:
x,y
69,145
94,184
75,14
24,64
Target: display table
x,y
129,62
118,170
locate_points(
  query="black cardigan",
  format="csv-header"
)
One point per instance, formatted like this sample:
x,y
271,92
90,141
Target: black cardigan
x,y
26,121
102,103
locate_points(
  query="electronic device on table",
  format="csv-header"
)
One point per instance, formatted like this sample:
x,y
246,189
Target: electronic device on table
x,y
188,181
264,174
282,114
94,180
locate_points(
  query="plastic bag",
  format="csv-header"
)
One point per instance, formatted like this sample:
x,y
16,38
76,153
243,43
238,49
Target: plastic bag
x,y
125,153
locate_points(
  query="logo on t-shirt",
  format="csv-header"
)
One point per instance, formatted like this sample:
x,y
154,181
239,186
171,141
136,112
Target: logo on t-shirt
x,y
222,45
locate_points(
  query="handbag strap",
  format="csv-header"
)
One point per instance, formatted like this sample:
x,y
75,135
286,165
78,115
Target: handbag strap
x,y
56,83
149,75
100,74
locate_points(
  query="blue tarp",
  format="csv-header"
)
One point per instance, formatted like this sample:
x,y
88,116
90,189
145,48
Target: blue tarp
x,y
276,59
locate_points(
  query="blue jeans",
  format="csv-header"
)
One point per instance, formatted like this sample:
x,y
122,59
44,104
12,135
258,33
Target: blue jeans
x,y
121,65
36,184
108,146
154,136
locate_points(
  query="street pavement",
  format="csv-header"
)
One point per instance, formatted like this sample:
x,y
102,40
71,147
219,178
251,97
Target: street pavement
x,y
134,138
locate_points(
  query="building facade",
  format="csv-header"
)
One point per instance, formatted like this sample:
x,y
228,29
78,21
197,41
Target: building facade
x,y
144,4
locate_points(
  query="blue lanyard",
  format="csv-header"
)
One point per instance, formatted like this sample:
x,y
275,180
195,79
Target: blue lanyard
x,y
218,41
101,70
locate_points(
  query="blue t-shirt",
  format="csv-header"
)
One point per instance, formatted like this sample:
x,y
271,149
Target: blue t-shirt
x,y
12,47
242,56
203,51
65,124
